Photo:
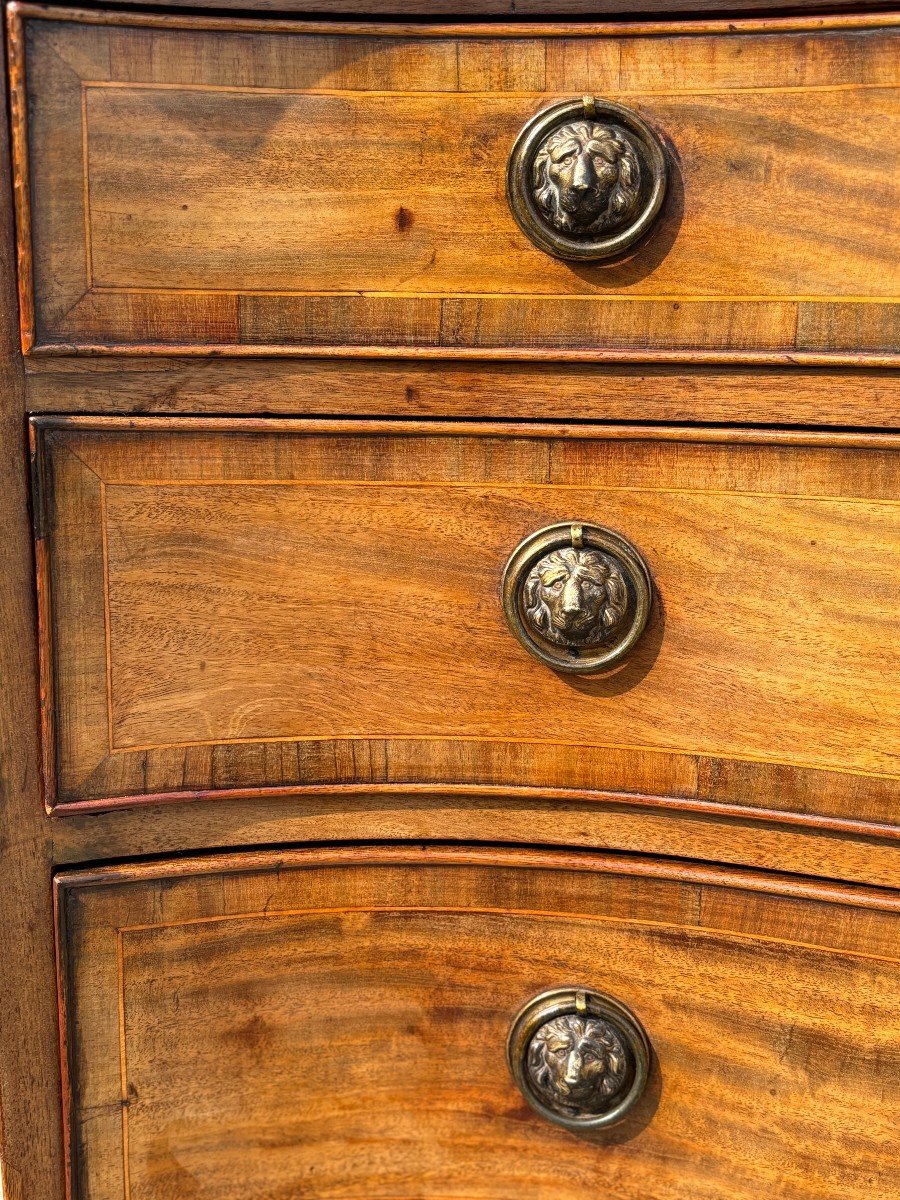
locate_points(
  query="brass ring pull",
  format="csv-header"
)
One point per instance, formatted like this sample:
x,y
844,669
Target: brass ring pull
x,y
586,179
580,1058
577,596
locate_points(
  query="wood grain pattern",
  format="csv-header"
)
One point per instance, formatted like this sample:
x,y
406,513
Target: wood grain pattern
x,y
773,1000
872,17
294,1002
581,9
31,1160
536,391
166,166
498,815
345,627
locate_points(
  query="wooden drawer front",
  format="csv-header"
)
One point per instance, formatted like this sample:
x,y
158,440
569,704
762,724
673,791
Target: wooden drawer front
x,y
235,605
333,1023
237,184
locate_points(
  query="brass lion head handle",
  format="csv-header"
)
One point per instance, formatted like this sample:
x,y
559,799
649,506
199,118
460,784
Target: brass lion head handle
x,y
586,179
580,1058
577,596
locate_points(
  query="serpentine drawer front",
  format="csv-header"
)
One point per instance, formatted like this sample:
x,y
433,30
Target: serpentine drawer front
x,y
342,1023
731,192
233,606
449,600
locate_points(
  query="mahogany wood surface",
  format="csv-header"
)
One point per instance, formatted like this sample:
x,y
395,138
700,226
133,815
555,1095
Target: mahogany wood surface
x,y
246,190
521,10
255,999
235,606
31,1159
535,391
333,1023
771,841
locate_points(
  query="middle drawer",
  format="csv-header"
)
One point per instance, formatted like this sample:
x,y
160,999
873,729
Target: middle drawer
x,y
233,606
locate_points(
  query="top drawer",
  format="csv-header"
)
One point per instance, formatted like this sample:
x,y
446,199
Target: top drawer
x,y
235,185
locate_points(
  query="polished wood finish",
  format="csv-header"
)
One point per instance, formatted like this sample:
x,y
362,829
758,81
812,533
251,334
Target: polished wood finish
x,y
260,1025
162,171
561,817
31,1159
536,391
772,998
771,686
580,9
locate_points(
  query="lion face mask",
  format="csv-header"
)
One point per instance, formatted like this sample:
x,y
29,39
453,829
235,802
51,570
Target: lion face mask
x,y
577,1064
575,596
586,178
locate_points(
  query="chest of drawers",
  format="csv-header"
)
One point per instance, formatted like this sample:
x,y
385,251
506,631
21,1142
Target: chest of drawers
x,y
450,597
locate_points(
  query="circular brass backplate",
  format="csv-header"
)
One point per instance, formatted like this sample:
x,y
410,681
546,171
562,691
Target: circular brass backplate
x,y
586,179
581,1058
577,596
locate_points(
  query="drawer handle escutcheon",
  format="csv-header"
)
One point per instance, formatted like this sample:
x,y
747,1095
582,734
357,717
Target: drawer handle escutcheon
x,y
580,1058
586,179
577,596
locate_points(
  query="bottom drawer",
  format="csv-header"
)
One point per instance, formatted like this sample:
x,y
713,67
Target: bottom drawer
x,y
334,1023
